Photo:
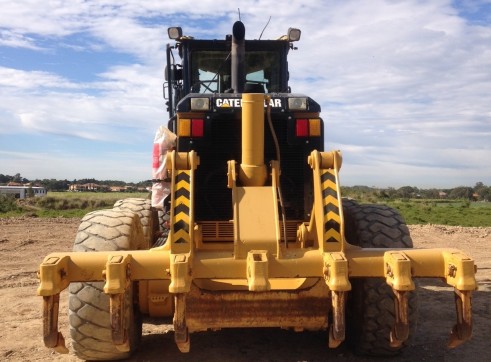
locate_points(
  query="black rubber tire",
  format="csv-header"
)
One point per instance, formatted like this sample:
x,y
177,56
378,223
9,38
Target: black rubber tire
x,y
90,328
148,217
370,310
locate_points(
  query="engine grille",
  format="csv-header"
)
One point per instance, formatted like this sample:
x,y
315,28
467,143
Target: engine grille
x,y
223,231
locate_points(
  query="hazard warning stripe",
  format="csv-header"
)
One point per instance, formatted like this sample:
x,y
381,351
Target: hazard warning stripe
x,y
181,208
182,194
330,201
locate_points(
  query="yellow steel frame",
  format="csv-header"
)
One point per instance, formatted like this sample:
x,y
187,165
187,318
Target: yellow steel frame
x,y
268,266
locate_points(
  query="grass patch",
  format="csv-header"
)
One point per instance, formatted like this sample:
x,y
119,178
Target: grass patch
x,y
63,204
8,204
448,212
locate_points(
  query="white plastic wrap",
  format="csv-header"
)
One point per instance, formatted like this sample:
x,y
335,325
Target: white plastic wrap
x,y
164,141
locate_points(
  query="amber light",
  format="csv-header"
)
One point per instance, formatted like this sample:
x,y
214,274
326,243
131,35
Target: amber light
x,y
314,127
184,129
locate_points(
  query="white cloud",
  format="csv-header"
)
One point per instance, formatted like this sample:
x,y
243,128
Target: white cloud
x,y
402,84
15,79
11,39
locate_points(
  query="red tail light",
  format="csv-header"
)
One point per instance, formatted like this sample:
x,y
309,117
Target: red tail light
x,y
302,128
197,128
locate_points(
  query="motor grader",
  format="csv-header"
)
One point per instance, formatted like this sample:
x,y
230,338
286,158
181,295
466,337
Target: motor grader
x,y
259,235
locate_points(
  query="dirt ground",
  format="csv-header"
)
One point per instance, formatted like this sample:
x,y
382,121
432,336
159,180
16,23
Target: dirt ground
x,y
25,242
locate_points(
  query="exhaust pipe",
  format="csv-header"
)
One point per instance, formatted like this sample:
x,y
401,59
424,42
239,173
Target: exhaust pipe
x,y
238,57
253,171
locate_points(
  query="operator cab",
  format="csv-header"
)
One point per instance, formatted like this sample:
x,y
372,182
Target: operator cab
x,y
207,66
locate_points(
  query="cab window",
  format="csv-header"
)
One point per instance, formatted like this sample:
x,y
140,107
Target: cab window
x,y
211,70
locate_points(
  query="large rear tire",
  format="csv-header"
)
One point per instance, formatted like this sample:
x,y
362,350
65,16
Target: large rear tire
x,y
148,217
90,328
371,301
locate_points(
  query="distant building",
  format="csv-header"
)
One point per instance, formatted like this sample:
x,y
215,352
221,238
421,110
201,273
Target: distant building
x,y
22,192
12,183
88,187
442,195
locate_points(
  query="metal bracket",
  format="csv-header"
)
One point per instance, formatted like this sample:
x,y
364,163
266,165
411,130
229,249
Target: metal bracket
x,y
257,271
117,274
52,275
397,270
336,277
180,270
460,273
118,280
459,270
336,271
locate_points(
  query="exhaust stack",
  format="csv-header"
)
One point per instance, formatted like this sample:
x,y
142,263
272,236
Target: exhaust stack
x,y
238,57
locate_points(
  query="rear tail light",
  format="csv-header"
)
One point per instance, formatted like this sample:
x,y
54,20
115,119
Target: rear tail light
x,y
197,128
308,127
191,127
302,128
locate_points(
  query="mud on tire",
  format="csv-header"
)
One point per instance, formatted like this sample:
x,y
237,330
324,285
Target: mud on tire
x,y
370,314
90,328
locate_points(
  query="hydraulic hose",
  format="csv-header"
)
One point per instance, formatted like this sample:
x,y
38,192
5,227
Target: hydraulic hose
x,y
278,157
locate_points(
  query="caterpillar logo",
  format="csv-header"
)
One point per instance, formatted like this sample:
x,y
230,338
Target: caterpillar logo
x,y
182,194
237,103
330,200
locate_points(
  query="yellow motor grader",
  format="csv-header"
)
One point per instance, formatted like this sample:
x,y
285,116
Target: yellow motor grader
x,y
258,235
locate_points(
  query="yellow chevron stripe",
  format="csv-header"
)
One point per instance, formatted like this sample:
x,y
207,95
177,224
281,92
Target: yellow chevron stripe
x,y
181,217
331,200
329,184
181,234
332,216
331,233
183,200
183,184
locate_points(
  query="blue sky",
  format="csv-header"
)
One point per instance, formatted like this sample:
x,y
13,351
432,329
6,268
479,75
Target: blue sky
x,y
404,86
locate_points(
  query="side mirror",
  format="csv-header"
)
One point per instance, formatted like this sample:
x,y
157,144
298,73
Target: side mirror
x,y
177,73
174,74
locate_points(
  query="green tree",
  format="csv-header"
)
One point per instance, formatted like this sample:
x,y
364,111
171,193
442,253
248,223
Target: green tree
x,y
483,191
406,192
461,192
